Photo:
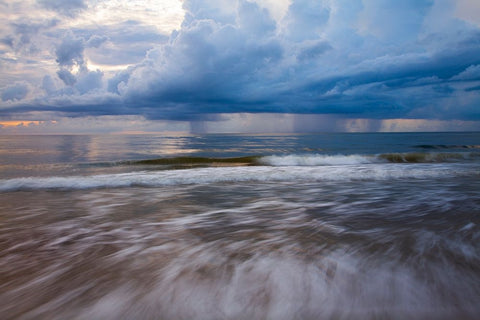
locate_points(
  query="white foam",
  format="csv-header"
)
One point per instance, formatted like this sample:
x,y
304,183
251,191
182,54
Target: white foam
x,y
201,283
317,160
233,174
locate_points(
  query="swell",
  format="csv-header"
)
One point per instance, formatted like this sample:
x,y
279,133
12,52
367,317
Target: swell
x,y
428,157
186,162
295,160
446,146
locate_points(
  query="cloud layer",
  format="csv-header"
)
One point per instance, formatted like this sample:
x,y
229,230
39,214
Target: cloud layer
x,y
355,59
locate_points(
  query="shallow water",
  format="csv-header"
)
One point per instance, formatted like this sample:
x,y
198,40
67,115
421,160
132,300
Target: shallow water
x,y
296,236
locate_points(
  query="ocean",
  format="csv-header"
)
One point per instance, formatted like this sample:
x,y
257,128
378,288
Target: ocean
x,y
279,226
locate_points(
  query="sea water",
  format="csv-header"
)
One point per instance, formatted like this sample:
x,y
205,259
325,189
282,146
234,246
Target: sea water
x,y
317,226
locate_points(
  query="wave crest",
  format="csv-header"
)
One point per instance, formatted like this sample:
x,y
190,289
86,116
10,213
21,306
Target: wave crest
x,y
341,173
332,160
316,160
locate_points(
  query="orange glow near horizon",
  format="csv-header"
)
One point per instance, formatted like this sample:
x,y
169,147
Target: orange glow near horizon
x,y
20,123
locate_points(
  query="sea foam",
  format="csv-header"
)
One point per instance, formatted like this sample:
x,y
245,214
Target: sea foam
x,y
317,160
346,172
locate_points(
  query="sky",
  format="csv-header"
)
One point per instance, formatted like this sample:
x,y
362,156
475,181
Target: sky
x,y
139,66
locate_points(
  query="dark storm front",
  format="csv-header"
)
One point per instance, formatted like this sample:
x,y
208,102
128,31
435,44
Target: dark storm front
x,y
334,226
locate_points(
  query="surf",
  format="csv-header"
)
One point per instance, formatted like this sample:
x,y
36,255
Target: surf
x,y
192,162
257,174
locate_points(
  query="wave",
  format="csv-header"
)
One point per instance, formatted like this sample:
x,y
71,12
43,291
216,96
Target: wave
x,y
323,160
428,157
316,160
446,146
254,174
295,160
196,161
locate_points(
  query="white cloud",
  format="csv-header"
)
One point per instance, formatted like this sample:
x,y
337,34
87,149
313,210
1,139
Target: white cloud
x,y
165,15
393,21
277,8
468,10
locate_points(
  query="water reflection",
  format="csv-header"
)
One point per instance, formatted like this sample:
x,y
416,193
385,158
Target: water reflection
x,y
84,148
75,149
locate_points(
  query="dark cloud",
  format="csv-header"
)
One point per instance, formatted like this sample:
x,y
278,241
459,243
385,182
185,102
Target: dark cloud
x,y
8,40
82,82
68,8
348,59
24,34
476,88
67,77
17,91
89,80
470,73
312,51
444,89
70,51
120,79
48,85
210,65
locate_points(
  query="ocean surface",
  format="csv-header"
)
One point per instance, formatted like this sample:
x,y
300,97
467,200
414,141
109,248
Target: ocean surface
x,y
312,226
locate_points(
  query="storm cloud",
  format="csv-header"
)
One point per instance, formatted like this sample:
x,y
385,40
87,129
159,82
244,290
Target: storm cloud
x,y
359,59
222,61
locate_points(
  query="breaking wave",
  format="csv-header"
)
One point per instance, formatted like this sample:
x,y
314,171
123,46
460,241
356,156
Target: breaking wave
x,y
374,172
289,168
303,160
316,160
322,160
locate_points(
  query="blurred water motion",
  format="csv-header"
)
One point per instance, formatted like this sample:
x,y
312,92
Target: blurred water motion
x,y
284,236
265,251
